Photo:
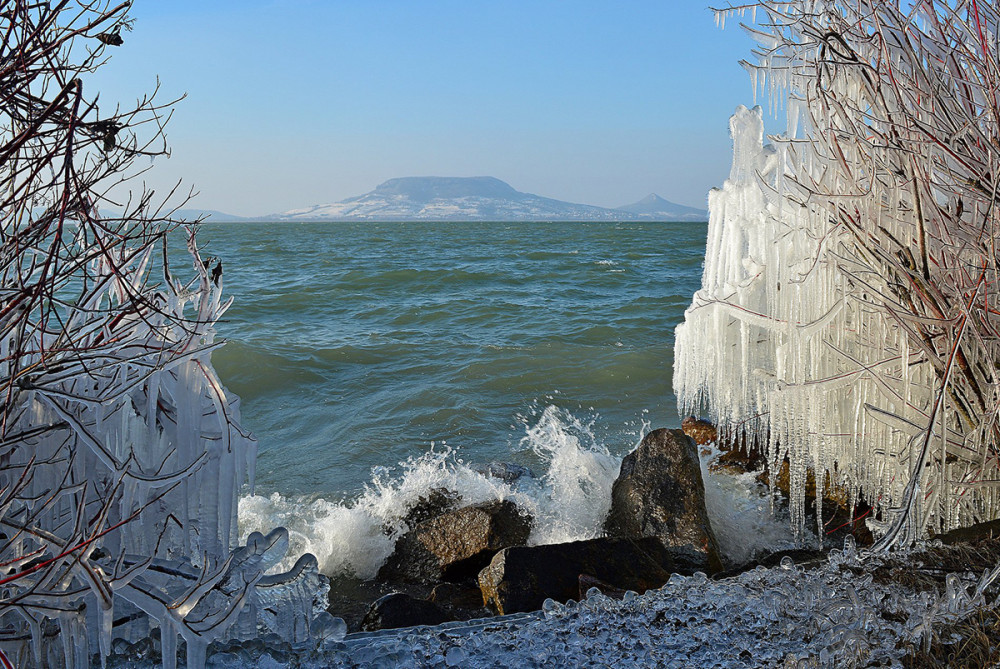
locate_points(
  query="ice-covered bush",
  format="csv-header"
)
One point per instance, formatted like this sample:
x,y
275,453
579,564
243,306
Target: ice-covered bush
x,y
850,299
121,454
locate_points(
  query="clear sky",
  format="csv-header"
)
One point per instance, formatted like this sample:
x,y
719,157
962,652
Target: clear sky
x,y
292,103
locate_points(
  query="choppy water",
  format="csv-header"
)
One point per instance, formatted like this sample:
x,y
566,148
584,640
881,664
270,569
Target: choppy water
x,y
356,346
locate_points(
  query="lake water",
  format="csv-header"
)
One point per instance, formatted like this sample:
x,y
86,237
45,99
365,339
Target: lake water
x,y
378,360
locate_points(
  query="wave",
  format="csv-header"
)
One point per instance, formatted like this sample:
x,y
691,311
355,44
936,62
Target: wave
x,y
744,520
355,537
395,279
568,502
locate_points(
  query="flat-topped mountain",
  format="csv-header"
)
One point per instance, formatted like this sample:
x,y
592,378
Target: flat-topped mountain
x,y
462,199
427,189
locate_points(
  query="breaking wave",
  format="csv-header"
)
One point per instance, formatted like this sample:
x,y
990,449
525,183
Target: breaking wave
x,y
568,501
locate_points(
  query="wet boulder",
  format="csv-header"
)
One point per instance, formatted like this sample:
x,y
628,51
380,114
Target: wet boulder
x,y
588,583
397,610
659,493
521,578
457,544
436,502
702,431
460,600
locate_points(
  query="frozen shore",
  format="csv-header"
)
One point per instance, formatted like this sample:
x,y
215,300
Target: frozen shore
x,y
841,611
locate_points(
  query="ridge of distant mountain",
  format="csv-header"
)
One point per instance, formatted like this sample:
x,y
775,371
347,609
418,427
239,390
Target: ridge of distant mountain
x,y
209,215
189,215
470,199
655,206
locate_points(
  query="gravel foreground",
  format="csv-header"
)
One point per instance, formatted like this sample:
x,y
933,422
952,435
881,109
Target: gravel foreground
x,y
847,610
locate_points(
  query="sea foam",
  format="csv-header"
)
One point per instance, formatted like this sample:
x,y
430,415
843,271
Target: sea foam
x,y
745,522
568,502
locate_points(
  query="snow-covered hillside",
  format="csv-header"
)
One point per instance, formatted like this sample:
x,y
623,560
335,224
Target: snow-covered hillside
x,y
469,199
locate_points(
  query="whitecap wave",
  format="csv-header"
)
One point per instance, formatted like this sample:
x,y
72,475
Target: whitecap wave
x,y
568,502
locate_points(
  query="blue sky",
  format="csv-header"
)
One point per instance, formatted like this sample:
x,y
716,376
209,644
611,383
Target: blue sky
x,y
298,102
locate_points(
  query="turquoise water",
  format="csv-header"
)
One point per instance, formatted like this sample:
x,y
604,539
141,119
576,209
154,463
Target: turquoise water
x,y
357,345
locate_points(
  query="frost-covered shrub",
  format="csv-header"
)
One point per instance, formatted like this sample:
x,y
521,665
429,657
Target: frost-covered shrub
x,y
121,454
850,299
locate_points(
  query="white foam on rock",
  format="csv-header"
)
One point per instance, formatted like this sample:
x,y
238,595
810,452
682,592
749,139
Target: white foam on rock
x,y
744,521
574,496
569,502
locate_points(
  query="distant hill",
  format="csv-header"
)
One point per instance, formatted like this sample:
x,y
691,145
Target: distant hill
x,y
210,215
654,206
459,199
189,215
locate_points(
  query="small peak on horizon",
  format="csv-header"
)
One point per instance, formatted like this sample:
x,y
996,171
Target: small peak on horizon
x,y
654,205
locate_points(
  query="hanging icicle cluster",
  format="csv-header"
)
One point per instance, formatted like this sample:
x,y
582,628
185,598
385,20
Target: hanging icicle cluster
x,y
850,303
121,454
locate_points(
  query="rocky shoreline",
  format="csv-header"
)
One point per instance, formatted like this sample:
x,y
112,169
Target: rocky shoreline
x,y
842,609
463,589
456,562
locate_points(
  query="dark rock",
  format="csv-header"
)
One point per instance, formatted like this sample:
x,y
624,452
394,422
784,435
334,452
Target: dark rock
x,y
462,601
803,557
659,493
457,595
522,577
973,534
400,610
350,598
507,472
587,582
456,544
432,505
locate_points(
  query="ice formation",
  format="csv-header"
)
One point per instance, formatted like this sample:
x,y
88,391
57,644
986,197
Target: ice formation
x,y
847,314
121,454
840,612
119,484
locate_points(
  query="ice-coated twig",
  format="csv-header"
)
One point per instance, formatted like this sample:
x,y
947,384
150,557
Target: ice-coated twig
x,y
121,453
874,217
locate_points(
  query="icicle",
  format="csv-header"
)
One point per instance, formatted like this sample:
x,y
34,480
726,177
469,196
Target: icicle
x,y
808,314
168,645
